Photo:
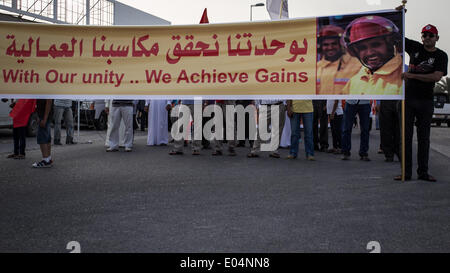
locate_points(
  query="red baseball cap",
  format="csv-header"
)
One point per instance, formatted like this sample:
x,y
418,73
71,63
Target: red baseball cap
x,y
430,28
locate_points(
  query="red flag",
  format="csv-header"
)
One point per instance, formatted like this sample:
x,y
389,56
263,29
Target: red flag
x,y
204,19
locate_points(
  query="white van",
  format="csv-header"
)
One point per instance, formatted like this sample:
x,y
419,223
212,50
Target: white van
x,y
7,122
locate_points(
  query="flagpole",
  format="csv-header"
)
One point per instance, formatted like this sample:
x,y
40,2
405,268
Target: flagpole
x,y
281,8
403,115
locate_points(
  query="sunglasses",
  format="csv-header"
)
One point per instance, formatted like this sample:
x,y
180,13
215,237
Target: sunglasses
x,y
431,35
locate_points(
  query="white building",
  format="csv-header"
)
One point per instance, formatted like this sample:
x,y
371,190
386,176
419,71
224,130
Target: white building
x,y
77,12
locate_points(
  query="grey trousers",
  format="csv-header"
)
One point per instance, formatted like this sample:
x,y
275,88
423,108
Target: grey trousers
x,y
59,112
218,144
268,115
196,145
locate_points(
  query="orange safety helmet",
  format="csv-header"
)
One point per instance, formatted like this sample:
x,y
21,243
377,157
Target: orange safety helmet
x,y
329,32
367,27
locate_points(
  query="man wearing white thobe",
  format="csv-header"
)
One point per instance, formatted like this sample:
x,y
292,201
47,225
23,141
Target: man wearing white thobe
x,y
158,132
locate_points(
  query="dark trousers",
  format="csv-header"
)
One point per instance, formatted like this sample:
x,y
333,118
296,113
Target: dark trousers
x,y
350,111
390,128
320,117
336,131
144,120
19,135
419,112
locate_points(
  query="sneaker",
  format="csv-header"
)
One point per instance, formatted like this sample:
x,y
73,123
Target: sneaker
x,y
128,149
291,157
310,158
42,164
112,150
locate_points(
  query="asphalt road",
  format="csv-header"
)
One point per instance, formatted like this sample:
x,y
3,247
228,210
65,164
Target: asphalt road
x,y
148,201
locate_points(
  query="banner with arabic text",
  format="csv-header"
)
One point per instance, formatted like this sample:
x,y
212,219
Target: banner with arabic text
x,y
277,59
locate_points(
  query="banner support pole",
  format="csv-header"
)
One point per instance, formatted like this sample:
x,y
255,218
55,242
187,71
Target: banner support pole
x,y
403,110
78,120
403,140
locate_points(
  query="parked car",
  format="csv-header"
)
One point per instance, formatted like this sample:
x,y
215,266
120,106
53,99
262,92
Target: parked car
x,y
6,122
92,114
441,102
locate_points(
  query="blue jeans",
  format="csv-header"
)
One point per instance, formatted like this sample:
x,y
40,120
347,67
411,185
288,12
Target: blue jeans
x,y
350,111
308,133
44,135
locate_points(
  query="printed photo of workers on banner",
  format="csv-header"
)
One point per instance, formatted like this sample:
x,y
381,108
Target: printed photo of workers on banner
x,y
360,54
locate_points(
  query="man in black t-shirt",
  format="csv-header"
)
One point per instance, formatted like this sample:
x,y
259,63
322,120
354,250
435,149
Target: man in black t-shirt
x,y
427,66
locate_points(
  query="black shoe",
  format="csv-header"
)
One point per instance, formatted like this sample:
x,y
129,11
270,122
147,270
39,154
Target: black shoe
x,y
231,152
389,159
57,142
427,177
69,140
364,158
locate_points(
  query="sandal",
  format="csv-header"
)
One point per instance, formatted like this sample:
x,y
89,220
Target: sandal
x,y
12,156
252,155
399,178
175,153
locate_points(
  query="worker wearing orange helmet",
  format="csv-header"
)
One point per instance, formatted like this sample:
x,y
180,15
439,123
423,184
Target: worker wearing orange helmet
x,y
375,41
336,67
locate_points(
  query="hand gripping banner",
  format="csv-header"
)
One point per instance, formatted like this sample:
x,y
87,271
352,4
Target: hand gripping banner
x,y
352,56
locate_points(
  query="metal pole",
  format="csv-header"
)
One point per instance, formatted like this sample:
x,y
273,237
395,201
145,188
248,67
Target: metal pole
x,y
78,115
251,8
403,140
403,116
281,8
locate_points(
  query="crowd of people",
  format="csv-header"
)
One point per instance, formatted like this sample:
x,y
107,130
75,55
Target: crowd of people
x,y
366,60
